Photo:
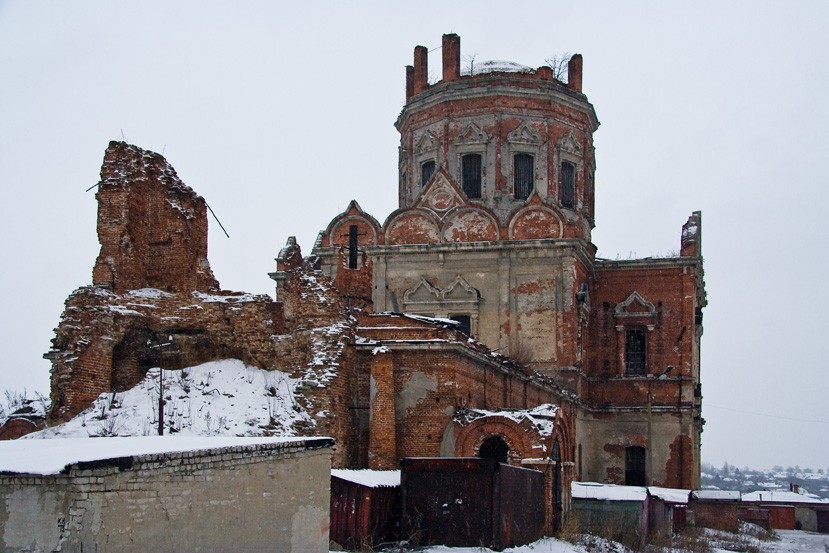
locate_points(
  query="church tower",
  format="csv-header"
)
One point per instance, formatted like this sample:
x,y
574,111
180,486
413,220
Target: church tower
x,y
503,132
496,180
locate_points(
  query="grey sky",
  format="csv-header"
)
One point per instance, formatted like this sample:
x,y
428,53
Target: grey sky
x,y
279,115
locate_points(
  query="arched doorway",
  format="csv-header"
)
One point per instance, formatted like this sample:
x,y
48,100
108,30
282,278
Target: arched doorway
x,y
495,448
557,502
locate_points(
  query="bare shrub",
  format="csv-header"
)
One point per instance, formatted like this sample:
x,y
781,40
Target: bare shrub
x,y
758,532
570,529
521,353
108,426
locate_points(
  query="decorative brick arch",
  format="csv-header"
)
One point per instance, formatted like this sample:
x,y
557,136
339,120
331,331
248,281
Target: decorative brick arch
x,y
470,224
412,226
367,226
470,437
535,221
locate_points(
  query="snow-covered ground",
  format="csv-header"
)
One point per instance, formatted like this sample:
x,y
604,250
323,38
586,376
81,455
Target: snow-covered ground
x,y
796,541
791,541
218,398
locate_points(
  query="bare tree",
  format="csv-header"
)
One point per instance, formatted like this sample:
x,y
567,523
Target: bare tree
x,y
470,61
558,64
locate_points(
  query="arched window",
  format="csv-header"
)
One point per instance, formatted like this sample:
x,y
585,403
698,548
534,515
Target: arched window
x,y
635,466
495,448
471,175
427,168
635,351
523,176
568,184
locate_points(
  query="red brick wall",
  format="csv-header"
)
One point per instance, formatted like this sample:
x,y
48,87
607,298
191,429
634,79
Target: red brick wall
x,y
151,226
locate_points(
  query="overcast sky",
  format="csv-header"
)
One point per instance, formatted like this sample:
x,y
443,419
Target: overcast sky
x,y
280,115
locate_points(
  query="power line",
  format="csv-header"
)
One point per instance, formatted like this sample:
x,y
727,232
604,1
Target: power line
x,y
765,414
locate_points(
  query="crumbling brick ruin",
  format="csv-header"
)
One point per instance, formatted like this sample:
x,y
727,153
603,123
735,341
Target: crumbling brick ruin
x,y
154,300
151,226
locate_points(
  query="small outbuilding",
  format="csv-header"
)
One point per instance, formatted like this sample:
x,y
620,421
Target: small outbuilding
x,y
790,510
667,509
365,507
165,493
718,509
613,510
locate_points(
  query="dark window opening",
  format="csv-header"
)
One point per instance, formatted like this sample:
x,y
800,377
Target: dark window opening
x,y
352,246
494,448
635,466
635,351
523,176
426,171
464,323
557,496
568,184
471,173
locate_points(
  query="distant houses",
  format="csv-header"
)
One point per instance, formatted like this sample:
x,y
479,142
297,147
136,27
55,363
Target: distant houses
x,y
648,510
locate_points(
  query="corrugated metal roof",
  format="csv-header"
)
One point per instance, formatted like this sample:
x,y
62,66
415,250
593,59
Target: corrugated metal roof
x,y
369,478
716,495
609,492
670,495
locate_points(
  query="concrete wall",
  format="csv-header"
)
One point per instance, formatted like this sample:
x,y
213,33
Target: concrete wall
x,y
254,498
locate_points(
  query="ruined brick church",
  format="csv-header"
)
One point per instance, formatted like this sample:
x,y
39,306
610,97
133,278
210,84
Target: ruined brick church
x,y
476,320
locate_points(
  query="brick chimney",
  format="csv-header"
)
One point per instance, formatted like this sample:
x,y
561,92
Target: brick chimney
x,y
574,73
421,69
451,57
409,82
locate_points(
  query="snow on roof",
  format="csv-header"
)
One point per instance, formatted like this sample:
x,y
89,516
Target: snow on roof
x,y
369,478
777,496
670,495
716,495
496,66
425,319
53,456
609,492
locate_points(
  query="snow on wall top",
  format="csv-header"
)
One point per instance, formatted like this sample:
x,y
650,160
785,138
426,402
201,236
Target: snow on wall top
x,y
53,456
542,417
369,478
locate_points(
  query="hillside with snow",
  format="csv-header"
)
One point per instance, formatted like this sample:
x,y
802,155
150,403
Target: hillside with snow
x,y
217,398
810,482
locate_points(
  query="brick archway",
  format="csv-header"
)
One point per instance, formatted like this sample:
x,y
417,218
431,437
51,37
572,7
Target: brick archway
x,y
471,437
